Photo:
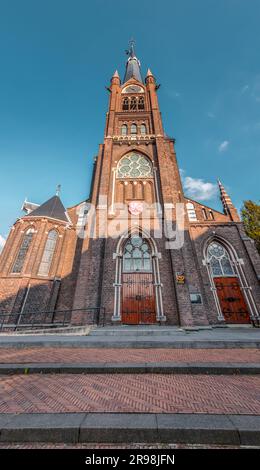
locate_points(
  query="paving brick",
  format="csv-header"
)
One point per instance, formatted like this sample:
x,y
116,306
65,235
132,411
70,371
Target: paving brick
x,y
94,355
129,393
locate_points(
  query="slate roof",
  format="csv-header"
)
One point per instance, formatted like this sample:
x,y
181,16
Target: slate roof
x,y
52,208
133,67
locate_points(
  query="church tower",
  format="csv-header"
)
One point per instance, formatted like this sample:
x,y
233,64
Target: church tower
x,y
139,257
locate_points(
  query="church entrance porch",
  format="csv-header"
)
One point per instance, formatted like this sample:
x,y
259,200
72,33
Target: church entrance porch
x,y
138,299
227,289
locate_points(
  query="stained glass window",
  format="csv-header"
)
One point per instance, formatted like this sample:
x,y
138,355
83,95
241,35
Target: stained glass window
x,y
219,260
25,245
137,255
48,253
134,165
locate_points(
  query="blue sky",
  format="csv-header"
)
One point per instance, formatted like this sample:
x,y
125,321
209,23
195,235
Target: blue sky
x,y
57,56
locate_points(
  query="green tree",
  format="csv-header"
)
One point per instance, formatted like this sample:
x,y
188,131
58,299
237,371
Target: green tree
x,y
250,214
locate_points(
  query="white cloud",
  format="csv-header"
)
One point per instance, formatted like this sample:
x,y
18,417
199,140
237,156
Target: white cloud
x,y
223,146
2,242
198,189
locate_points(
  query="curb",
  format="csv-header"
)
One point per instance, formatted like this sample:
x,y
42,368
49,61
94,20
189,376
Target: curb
x,y
133,344
132,368
134,427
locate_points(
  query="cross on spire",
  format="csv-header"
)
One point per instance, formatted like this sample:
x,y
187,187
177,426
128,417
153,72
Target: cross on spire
x,y
58,189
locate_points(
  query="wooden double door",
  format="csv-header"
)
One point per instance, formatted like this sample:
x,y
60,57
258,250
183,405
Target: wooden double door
x,y
138,298
231,299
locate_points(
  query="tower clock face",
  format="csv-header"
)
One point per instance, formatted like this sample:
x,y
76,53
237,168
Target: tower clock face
x,y
133,89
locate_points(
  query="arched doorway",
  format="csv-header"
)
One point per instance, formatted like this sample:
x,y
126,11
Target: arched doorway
x,y
227,285
138,304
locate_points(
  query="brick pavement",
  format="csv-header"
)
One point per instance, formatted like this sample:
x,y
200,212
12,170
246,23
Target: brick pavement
x,y
130,393
79,355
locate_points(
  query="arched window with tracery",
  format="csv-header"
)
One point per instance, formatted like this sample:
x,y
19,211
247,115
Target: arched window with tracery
x,y
124,129
125,105
48,253
134,165
133,104
143,129
141,103
137,255
23,250
219,260
133,129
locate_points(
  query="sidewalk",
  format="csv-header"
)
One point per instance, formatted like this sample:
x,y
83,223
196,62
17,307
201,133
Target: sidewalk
x,y
61,389
130,393
129,361
142,337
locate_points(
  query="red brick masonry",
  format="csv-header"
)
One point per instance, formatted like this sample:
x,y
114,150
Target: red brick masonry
x,y
80,355
130,393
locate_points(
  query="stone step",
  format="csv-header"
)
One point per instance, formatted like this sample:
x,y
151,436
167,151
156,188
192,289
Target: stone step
x,y
135,331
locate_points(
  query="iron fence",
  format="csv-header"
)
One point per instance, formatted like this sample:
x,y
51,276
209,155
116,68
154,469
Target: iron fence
x,y
52,319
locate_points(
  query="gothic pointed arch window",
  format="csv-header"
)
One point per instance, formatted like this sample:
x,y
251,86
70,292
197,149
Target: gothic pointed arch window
x,y
23,250
125,104
141,103
48,253
134,165
124,129
219,260
133,129
137,256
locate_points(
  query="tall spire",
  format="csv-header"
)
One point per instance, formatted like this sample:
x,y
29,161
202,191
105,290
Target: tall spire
x,y
132,65
228,207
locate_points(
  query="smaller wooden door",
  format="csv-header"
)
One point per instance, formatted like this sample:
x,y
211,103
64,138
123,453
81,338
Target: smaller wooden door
x,y
231,299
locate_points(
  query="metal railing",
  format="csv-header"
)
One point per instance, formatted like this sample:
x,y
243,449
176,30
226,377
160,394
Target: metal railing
x,y
52,319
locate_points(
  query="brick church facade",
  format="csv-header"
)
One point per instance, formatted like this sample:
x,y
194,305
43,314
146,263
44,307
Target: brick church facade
x,y
138,247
